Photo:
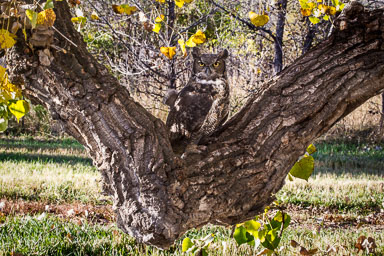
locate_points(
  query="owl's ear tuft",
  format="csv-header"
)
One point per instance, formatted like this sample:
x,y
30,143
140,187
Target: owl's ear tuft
x,y
223,54
196,53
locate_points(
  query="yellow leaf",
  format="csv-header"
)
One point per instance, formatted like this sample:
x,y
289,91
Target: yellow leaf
x,y
19,108
8,91
258,20
188,1
32,16
182,47
323,8
332,10
306,12
311,149
12,91
160,1
130,10
199,37
124,8
157,28
179,3
94,16
169,52
46,17
6,39
3,75
160,18
80,20
311,5
190,42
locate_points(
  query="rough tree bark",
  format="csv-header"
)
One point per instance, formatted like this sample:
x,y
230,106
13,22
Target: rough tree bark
x,y
157,195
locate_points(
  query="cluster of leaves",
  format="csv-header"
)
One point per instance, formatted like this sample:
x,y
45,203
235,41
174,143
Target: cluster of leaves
x,y
317,10
169,51
46,17
11,101
263,230
197,246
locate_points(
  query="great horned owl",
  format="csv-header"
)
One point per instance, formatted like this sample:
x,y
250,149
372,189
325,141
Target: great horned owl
x,y
203,104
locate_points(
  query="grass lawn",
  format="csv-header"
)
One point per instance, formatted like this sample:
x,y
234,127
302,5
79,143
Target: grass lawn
x,y
52,204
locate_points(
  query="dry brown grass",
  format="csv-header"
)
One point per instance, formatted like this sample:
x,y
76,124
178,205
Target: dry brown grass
x,y
362,124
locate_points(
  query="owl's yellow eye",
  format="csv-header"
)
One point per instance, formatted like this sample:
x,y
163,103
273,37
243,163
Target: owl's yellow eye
x,y
201,64
216,64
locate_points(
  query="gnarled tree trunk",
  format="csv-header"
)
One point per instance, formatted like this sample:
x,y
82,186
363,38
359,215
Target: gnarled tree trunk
x,y
157,195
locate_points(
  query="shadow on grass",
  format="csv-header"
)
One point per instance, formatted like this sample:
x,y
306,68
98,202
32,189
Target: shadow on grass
x,y
71,160
40,144
349,166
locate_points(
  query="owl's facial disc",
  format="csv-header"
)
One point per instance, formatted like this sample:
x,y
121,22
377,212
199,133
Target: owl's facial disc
x,y
209,67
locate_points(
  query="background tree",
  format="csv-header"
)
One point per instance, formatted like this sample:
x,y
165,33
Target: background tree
x,y
157,195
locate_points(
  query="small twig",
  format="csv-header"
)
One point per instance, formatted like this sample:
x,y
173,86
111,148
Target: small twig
x,y
66,38
124,43
196,23
248,24
282,224
233,231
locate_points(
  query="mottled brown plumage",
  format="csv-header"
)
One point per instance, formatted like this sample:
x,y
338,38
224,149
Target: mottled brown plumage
x,y
203,104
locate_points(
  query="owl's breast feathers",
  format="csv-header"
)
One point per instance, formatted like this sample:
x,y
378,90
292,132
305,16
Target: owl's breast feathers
x,y
193,104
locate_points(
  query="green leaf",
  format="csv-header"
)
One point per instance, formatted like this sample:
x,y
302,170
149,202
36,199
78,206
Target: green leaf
x,y
250,239
303,168
3,111
252,227
204,252
49,5
335,2
271,239
304,4
279,219
314,20
273,234
32,16
187,243
261,235
3,124
242,236
19,108
311,148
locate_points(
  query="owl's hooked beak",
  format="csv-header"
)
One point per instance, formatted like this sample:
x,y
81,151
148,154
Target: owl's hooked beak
x,y
207,71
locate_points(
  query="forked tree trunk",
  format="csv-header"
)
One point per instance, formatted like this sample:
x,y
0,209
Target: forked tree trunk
x,y
157,195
